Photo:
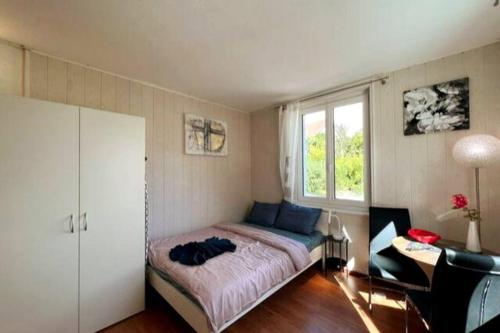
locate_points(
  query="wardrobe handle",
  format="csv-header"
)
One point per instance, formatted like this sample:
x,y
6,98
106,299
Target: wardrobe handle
x,y
71,224
85,226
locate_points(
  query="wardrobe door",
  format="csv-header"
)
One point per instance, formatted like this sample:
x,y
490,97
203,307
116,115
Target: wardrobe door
x,y
112,276
38,196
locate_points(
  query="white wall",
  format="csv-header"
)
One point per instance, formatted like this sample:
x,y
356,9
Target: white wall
x,y
186,192
418,171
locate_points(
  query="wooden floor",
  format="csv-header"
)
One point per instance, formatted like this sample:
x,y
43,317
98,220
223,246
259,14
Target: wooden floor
x,y
310,303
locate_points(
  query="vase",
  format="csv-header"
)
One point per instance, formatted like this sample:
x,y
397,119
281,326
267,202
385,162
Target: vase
x,y
473,243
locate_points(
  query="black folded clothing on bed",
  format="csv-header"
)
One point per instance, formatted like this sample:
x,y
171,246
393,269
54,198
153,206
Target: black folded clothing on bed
x,y
196,253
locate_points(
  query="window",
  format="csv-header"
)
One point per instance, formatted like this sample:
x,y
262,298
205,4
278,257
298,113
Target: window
x,y
335,152
349,151
314,126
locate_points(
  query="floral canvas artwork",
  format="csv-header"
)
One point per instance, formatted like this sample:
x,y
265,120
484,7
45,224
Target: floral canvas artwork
x,y
205,136
437,108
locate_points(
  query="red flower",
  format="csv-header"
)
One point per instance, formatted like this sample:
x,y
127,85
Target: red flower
x,y
459,201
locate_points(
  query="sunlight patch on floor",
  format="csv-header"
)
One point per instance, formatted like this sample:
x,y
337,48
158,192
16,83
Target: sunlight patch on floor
x,y
383,300
365,317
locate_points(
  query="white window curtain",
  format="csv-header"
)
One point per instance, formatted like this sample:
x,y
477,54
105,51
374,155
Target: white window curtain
x,y
288,135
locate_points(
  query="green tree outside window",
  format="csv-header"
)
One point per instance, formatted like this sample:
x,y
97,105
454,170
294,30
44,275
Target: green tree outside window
x,y
349,162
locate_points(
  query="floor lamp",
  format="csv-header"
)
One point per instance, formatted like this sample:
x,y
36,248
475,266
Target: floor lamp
x,y
477,151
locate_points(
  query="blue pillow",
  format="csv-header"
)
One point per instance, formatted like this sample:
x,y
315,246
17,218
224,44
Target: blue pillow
x,y
263,214
297,219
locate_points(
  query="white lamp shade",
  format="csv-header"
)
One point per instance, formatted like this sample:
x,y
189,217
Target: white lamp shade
x,y
477,151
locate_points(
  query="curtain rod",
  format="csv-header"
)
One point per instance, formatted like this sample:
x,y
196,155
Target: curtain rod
x,y
382,79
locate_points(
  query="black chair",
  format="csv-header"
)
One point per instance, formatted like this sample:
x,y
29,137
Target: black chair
x,y
464,297
385,262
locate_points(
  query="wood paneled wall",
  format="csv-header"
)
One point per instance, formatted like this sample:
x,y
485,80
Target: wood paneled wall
x,y
416,171
11,69
266,183
186,192
419,171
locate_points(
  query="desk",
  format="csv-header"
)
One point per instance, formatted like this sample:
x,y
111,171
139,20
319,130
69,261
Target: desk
x,y
427,258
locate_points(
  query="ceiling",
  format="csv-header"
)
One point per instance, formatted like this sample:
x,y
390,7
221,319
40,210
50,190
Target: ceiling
x,y
250,54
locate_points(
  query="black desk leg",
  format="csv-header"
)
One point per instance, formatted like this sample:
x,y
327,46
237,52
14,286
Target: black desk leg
x,y
332,249
325,254
341,265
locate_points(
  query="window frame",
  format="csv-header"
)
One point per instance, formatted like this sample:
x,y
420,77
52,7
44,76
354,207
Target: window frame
x,y
328,103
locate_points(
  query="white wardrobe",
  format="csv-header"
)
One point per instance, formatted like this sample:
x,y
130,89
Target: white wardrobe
x,y
71,217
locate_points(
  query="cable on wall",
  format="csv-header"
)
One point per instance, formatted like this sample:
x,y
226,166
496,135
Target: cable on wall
x,y
146,219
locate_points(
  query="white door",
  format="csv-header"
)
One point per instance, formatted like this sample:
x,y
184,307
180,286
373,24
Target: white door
x,y
112,277
38,195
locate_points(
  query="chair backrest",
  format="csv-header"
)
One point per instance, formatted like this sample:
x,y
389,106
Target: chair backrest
x,y
386,224
465,292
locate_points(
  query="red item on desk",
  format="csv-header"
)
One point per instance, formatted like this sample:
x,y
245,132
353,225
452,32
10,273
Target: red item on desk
x,y
424,236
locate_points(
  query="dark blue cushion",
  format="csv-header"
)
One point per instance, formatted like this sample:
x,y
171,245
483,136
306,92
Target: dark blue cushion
x,y
297,218
263,214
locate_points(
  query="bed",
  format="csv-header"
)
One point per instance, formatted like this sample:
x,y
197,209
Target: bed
x,y
235,292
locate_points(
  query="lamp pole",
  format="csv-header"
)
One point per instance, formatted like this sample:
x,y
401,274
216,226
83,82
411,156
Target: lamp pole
x,y
476,151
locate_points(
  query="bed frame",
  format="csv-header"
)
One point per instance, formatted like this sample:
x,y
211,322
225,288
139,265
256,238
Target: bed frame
x,y
194,314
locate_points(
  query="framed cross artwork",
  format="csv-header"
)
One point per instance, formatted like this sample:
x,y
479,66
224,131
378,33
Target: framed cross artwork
x,y
205,136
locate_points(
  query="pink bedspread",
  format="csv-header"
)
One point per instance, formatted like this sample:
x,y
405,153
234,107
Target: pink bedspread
x,y
227,284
